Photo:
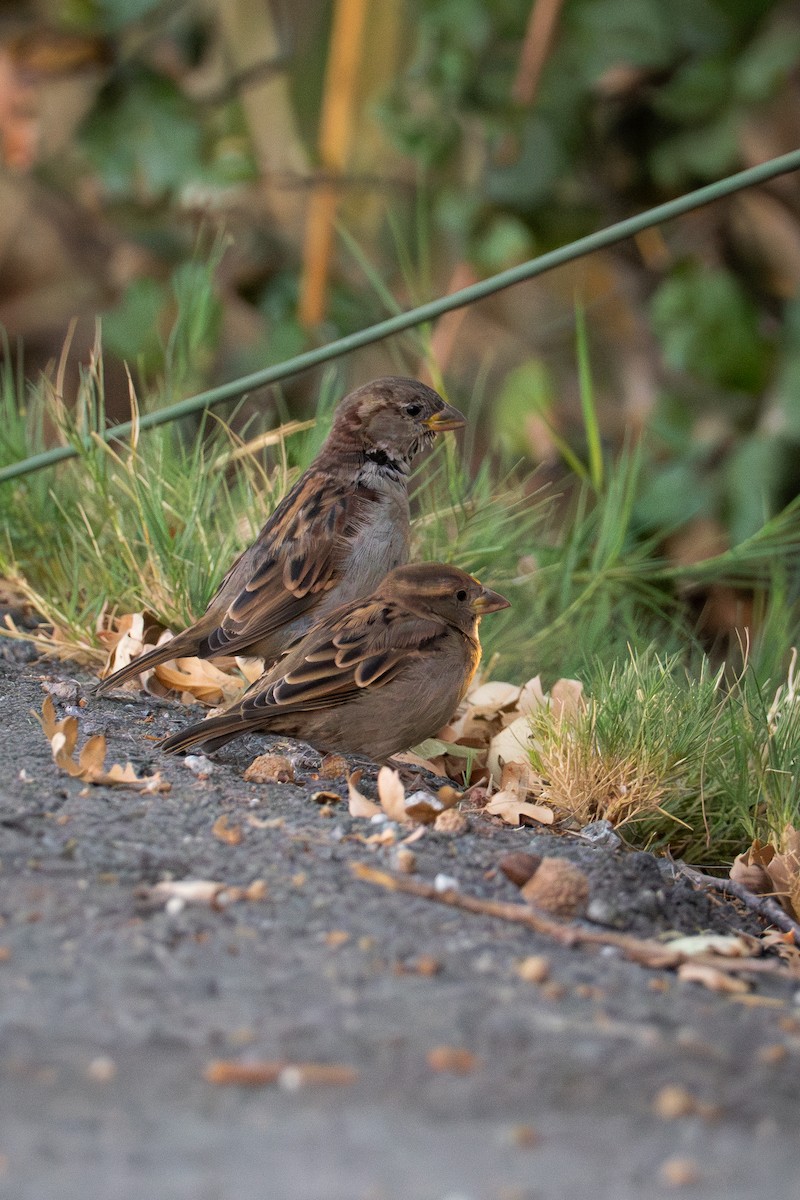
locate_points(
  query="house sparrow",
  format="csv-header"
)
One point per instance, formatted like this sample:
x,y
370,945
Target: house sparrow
x,y
344,524
375,676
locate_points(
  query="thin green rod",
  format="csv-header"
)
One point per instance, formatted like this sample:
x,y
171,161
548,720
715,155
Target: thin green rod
x,y
430,311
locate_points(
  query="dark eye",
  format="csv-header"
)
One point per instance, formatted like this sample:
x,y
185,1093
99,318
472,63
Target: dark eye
x,y
461,595
413,410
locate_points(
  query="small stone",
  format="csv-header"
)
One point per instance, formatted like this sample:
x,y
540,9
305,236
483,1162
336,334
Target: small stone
x,y
524,1137
518,866
772,1054
533,969
404,860
102,1069
451,821
446,883
674,1101
601,833
679,1172
199,765
558,887
602,912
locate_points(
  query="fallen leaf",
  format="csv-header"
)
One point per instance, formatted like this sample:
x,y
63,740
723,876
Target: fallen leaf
x,y
204,891
199,679
511,744
360,805
734,946
767,870
223,831
750,869
326,797
392,794
566,697
511,809
519,866
711,978
63,737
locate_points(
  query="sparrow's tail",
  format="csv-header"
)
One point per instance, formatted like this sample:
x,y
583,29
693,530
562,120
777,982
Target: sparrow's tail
x,y
174,648
208,735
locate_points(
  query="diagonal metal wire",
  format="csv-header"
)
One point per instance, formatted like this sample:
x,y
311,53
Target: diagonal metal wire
x,y
430,311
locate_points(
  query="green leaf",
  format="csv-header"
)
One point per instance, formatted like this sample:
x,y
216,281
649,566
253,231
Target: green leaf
x,y
143,137
695,92
708,327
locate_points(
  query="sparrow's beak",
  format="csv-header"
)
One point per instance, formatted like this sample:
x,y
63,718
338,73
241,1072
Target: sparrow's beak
x,y
488,601
446,418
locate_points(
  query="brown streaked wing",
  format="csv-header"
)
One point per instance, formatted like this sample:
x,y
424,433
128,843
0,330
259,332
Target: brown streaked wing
x,y
312,675
302,555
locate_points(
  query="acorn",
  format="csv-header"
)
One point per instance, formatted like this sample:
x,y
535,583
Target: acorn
x,y
558,888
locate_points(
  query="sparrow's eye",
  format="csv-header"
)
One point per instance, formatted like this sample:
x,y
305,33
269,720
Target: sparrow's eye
x,y
461,595
413,410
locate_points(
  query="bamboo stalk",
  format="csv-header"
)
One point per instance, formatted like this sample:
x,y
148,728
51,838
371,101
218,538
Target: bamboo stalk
x,y
337,124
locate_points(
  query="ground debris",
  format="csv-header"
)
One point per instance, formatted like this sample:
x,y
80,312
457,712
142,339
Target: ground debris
x,y
224,831
674,1101
290,1076
452,1060
200,891
270,768
646,951
90,764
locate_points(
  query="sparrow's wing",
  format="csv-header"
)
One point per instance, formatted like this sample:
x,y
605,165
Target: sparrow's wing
x,y
300,553
362,646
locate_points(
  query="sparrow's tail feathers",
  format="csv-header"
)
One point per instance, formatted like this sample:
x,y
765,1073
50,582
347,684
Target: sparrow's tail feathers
x,y
207,735
174,648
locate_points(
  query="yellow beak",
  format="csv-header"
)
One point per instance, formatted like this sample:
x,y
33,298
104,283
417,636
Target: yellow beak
x,y
446,418
488,601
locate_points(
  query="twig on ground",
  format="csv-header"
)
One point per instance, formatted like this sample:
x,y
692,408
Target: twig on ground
x,y
763,906
642,950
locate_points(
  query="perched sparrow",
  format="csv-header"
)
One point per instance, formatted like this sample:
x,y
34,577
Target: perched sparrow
x,y
373,677
343,525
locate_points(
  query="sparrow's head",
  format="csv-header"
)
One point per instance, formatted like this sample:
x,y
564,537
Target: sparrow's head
x,y
441,591
391,419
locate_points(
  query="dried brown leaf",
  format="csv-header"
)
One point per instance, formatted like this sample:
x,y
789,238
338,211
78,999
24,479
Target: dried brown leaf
x,y
392,794
199,679
733,946
360,805
63,737
512,810
711,978
750,868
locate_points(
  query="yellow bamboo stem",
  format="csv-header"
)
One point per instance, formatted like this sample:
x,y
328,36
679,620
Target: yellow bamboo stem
x,y
337,124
